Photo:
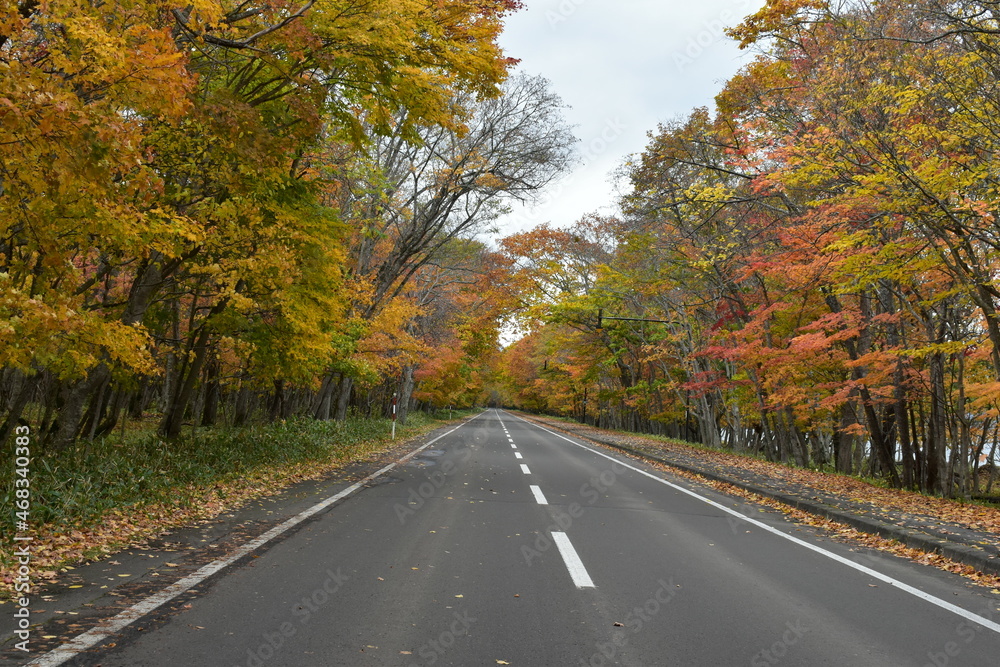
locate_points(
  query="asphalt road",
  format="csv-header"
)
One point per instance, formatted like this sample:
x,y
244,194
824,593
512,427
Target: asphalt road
x,y
507,544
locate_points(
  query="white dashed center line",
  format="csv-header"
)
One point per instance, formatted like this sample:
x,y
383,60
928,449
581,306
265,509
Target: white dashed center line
x,y
517,455
525,470
573,563
539,496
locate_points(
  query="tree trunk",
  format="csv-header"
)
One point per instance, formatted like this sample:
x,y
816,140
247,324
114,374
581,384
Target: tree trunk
x,y
173,417
21,399
964,449
844,442
903,435
210,413
344,388
118,404
74,397
405,394
277,407
324,400
934,447
241,411
94,413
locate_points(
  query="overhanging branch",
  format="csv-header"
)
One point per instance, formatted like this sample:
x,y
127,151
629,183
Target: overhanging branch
x,y
246,43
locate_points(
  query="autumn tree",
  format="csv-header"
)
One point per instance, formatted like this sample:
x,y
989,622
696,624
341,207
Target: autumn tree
x,y
162,206
817,250
414,195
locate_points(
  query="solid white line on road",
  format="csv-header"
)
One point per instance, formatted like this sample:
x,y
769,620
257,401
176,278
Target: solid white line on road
x,y
539,496
525,470
916,592
517,455
91,638
573,563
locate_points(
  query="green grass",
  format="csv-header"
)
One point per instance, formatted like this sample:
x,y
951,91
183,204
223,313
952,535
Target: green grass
x,y
80,485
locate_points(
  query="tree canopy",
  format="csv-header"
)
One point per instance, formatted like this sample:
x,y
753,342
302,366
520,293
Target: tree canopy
x,y
239,206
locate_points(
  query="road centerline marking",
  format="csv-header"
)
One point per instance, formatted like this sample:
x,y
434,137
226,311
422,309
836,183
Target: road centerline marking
x,y
517,455
525,470
577,571
539,496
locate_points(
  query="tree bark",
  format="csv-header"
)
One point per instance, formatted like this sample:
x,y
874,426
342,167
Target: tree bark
x,y
21,400
324,401
173,417
405,394
344,388
277,407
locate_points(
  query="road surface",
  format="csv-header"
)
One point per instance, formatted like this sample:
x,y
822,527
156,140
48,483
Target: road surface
x,y
503,543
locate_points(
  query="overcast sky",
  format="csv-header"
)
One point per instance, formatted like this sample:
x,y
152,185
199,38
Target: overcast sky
x,y
622,66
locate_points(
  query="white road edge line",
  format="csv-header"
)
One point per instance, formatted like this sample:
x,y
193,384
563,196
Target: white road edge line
x,y
573,563
525,470
91,638
916,592
539,496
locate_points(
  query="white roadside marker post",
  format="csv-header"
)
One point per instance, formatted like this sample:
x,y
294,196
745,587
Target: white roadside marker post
x,y
394,415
